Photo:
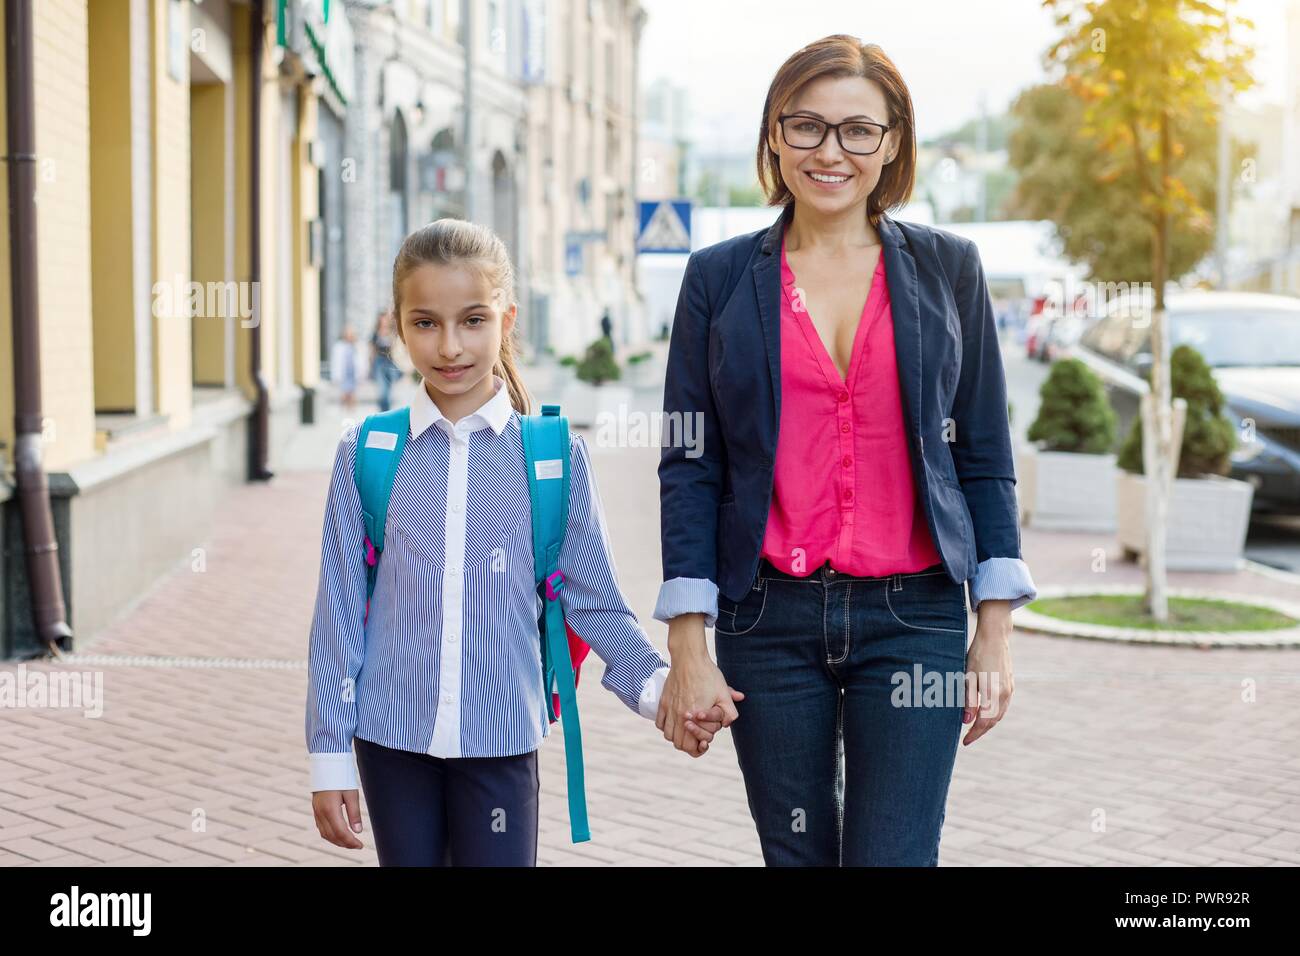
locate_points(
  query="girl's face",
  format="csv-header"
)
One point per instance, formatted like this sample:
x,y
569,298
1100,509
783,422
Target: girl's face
x,y
452,322
834,100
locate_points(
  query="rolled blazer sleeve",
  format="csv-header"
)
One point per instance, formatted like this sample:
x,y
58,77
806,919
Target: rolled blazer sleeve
x,y
982,450
690,478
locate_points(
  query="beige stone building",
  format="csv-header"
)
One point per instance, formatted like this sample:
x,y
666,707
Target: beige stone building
x,y
582,173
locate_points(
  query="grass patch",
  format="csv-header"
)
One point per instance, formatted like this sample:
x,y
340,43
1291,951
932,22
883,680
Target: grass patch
x,y
1185,614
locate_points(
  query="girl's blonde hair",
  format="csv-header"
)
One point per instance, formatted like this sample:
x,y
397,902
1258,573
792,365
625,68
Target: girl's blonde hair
x,y
450,241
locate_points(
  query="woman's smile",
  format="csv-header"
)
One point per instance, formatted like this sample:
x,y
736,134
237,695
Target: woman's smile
x,y
827,180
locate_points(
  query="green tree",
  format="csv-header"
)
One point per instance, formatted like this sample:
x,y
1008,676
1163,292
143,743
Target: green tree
x,y
1102,228
1148,72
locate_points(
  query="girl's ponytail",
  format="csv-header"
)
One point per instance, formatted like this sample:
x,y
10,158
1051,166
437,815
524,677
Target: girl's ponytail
x,y
457,241
507,369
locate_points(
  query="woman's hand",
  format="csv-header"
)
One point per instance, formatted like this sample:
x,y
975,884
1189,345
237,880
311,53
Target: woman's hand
x,y
989,683
696,699
330,807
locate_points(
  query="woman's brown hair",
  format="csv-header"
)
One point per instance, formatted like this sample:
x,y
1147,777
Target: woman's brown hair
x,y
460,242
842,55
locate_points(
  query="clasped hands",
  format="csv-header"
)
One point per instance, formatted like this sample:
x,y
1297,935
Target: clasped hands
x,y
696,701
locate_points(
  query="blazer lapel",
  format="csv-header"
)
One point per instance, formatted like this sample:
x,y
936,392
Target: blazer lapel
x,y
766,269
904,304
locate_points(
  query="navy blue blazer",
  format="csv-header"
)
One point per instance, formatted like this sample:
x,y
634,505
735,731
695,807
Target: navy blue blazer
x,y
724,373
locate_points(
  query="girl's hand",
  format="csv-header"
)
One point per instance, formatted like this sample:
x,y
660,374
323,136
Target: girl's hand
x,y
989,683
704,724
329,807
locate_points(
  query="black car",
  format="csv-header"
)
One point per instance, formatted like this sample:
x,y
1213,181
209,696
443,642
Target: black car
x,y
1251,341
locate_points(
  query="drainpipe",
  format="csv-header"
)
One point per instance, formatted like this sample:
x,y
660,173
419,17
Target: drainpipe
x,y
40,547
258,442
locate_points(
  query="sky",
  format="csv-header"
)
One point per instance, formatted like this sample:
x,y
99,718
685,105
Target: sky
x,y
950,52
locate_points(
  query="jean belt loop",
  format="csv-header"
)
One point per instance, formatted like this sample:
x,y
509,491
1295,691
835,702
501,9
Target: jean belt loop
x,y
898,582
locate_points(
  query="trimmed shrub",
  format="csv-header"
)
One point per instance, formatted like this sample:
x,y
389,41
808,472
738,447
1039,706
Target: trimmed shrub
x,y
1208,434
1074,414
598,365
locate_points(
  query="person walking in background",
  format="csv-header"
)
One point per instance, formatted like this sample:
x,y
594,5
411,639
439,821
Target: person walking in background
x,y
343,366
383,368
607,327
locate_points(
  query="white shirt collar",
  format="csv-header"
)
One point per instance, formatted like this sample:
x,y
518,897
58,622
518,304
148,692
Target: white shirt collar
x,y
495,413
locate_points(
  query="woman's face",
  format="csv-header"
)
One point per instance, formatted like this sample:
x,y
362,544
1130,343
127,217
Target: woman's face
x,y
452,323
834,100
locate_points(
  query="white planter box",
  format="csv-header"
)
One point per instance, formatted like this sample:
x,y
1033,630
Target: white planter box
x,y
1207,523
548,383
648,373
583,404
1065,491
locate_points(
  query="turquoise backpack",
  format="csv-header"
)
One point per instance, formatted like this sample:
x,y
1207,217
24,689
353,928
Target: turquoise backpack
x,y
380,443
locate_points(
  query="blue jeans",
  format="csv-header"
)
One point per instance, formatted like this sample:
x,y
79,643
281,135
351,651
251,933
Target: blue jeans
x,y
387,373
463,811
848,732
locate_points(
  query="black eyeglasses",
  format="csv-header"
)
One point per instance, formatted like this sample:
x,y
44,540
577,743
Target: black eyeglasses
x,y
860,137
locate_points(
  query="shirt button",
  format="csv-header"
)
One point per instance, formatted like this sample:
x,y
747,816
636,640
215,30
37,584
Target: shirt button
x,y
844,427
843,396
451,638
446,698
847,461
848,494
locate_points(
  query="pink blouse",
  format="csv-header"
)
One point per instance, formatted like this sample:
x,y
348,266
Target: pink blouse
x,y
843,488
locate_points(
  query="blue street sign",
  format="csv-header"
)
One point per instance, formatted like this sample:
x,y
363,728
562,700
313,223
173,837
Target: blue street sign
x,y
665,226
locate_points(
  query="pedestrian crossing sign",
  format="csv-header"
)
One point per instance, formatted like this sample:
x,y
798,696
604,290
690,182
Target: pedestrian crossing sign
x,y
665,226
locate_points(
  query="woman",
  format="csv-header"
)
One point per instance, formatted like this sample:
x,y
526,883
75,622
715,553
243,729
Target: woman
x,y
855,471
383,367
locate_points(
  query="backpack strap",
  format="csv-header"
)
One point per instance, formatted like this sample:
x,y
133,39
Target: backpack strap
x,y
380,443
546,457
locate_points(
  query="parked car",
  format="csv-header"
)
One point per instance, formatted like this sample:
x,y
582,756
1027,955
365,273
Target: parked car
x,y
1251,341
1036,331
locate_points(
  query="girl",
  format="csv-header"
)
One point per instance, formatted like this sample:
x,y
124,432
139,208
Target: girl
x,y
827,533
441,686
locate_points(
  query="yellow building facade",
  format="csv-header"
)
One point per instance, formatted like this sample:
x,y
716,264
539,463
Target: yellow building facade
x,y
146,308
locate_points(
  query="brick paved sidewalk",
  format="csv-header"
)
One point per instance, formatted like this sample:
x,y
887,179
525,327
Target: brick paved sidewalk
x,y
205,764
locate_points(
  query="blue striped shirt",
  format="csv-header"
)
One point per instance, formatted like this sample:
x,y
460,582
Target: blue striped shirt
x,y
448,662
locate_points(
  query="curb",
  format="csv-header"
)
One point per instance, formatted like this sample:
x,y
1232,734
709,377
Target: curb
x,y
1043,624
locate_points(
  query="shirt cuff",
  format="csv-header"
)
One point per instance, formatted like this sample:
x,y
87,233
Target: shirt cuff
x,y
1002,579
651,691
333,772
687,596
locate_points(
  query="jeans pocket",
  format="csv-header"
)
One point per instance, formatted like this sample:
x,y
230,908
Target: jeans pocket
x,y
928,602
741,617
